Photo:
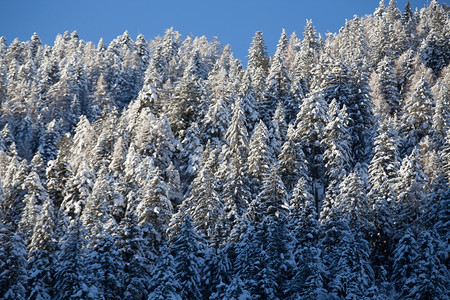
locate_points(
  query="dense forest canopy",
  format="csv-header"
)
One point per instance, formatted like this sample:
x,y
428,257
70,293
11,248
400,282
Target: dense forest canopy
x,y
166,169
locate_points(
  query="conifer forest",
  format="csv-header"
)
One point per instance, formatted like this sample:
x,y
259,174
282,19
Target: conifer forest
x,y
168,169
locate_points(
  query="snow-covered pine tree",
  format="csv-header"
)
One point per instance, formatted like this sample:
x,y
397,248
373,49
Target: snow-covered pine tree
x,y
417,115
382,171
309,130
258,62
259,156
164,284
70,268
292,162
42,254
188,250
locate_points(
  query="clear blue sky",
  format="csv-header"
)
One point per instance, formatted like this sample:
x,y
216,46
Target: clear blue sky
x,y
234,22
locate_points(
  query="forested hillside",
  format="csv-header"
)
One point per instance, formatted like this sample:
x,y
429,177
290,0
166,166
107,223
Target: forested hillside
x,y
166,169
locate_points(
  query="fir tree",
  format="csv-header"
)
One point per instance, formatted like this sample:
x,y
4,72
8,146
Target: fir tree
x,y
309,126
164,283
41,254
259,156
188,249
70,267
418,114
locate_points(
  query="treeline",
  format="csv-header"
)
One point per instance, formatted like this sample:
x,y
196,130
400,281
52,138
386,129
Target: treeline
x,y
168,170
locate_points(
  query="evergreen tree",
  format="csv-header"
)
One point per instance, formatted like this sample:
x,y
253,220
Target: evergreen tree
x,y
278,85
14,270
292,162
101,101
236,193
337,143
41,254
188,104
249,101
434,49
133,251
353,203
70,268
387,86
191,154
204,204
271,202
154,209
215,122
309,127
259,156
308,280
37,195
104,266
411,189
164,283
429,276
188,250
441,117
78,189
405,255
418,114
382,173
309,52
258,61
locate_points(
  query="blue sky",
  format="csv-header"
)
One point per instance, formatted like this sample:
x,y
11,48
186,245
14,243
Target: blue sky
x,y
234,22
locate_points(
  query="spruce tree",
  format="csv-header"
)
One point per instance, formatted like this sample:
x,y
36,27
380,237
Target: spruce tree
x,y
70,266
42,254
164,284
259,156
188,250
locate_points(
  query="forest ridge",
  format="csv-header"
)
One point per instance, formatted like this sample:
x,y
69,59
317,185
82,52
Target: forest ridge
x,y
166,169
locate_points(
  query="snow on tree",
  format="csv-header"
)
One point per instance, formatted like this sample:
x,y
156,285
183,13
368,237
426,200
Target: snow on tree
x,y
48,142
84,140
249,101
41,254
101,101
258,61
133,250
190,101
233,172
164,284
127,139
411,189
278,87
434,49
387,86
189,250
35,198
191,154
278,130
77,190
70,267
337,141
215,122
104,277
271,202
259,155
203,203
154,209
13,277
441,117
309,129
417,114
383,169
309,52
429,277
